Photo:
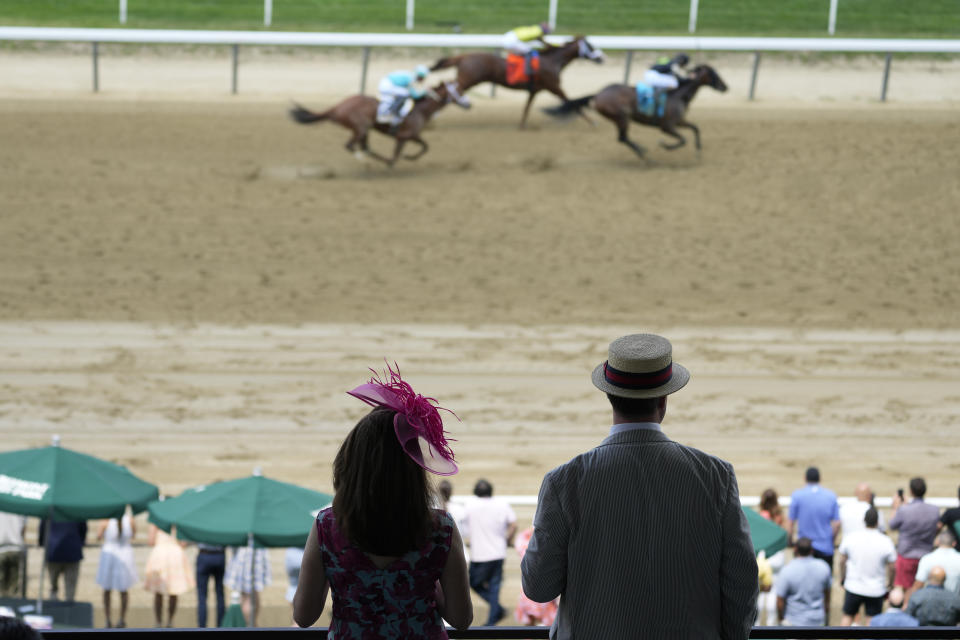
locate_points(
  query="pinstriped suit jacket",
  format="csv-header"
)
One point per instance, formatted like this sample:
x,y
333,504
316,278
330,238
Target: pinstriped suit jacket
x,y
643,538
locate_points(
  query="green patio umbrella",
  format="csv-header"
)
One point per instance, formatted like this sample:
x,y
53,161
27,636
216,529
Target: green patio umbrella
x,y
60,484
253,511
67,485
766,535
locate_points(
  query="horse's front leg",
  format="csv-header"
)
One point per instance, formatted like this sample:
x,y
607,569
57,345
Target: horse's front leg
x,y
423,149
696,132
396,151
526,109
671,131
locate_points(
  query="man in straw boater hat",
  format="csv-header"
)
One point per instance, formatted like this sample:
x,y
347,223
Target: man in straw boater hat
x,y
642,536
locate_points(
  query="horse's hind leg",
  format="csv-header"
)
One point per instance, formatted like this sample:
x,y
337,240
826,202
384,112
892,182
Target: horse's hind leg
x,y
622,124
370,152
423,149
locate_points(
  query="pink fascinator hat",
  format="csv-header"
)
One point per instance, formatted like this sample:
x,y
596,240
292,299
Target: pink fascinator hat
x,y
417,423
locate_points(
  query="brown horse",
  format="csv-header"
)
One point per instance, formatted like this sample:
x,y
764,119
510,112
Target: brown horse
x,y
475,68
359,114
618,103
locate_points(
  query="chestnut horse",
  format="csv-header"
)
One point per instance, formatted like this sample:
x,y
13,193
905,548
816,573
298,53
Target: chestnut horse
x,y
359,114
618,103
475,68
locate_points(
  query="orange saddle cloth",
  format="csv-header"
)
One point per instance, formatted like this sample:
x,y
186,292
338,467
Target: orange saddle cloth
x,y
517,68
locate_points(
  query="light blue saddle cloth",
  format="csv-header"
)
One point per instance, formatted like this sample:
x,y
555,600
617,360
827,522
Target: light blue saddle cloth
x,y
645,101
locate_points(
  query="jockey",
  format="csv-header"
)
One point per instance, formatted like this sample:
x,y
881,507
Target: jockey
x,y
516,40
664,74
395,88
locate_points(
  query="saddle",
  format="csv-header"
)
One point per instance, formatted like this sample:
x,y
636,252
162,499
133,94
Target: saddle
x,y
522,70
395,111
650,103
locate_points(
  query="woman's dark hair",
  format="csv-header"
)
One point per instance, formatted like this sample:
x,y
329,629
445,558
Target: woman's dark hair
x,y
382,497
770,503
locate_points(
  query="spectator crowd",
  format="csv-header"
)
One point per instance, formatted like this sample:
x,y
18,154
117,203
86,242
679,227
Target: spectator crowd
x,y
609,553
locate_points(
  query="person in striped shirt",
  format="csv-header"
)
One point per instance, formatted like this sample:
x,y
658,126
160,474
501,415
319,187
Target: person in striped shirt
x,y
642,537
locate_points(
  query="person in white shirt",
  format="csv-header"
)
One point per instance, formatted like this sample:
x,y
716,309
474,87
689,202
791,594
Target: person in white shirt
x,y
943,556
11,553
867,560
492,525
456,510
851,513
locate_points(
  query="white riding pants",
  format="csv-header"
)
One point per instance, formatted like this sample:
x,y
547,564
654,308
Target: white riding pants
x,y
513,44
659,80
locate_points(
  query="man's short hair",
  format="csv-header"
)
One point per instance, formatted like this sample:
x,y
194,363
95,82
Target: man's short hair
x,y
633,407
813,474
871,518
804,547
482,489
918,487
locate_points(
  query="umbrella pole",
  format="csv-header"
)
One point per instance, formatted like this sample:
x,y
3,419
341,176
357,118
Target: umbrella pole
x,y
250,596
43,563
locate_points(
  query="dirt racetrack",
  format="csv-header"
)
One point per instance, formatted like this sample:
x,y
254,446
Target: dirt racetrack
x,y
190,212
189,282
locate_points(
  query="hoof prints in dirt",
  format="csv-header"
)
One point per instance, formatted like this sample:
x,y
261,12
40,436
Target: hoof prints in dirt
x,y
291,173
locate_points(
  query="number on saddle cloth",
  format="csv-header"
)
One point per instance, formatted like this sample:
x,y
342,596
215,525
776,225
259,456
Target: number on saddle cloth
x,y
646,97
521,70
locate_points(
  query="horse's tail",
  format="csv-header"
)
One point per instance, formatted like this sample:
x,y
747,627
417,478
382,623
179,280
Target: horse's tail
x,y
570,107
446,63
305,116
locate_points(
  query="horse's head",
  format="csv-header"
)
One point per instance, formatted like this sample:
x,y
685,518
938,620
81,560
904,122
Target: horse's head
x,y
704,74
447,92
587,50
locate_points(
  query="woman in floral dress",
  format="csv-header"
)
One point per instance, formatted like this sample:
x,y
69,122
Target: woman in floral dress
x,y
395,565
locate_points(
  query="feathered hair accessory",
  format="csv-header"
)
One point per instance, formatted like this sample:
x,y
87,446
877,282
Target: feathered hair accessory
x,y
417,423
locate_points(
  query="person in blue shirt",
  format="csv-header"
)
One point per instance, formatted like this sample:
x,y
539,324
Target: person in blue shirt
x,y
803,589
395,89
815,514
64,551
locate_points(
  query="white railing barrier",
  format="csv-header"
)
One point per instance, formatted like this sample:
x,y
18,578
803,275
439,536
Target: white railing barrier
x,y
747,501
488,41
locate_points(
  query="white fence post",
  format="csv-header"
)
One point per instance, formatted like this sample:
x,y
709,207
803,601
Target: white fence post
x,y
123,11
832,21
410,8
552,14
267,12
694,9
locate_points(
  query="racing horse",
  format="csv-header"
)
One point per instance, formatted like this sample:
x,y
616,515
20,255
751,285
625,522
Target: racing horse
x,y
359,114
618,103
475,68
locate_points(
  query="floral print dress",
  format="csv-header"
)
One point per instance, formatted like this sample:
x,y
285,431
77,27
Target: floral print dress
x,y
398,601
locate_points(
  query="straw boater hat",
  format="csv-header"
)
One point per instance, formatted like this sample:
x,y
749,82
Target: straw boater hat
x,y
640,366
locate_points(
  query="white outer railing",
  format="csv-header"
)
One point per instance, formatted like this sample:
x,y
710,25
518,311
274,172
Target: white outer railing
x,y
465,41
747,501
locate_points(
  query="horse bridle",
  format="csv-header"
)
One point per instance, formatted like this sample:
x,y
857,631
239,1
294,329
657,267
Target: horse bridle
x,y
586,50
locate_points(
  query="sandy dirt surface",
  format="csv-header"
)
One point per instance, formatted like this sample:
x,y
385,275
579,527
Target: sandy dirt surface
x,y
189,281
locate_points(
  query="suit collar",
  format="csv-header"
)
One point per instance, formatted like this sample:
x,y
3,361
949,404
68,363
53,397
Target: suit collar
x,y
635,436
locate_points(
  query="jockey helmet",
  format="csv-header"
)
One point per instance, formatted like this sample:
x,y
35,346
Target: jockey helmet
x,y
545,27
421,71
